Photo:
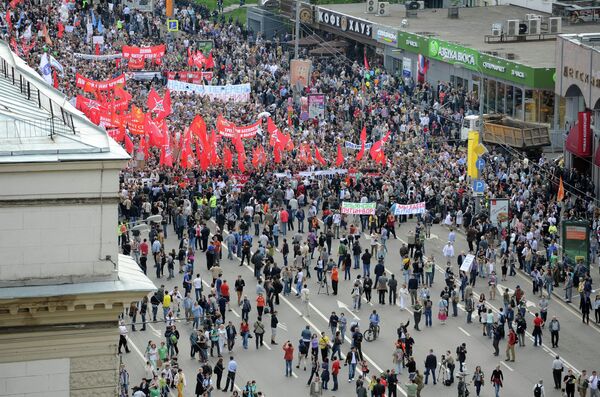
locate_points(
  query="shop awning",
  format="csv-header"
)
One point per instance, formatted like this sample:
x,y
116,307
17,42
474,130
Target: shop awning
x,y
307,41
579,139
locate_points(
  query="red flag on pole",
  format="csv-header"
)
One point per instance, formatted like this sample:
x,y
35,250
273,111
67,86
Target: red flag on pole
x,y
8,21
363,134
209,63
227,158
97,49
318,156
340,157
361,152
128,144
54,79
365,59
561,191
160,106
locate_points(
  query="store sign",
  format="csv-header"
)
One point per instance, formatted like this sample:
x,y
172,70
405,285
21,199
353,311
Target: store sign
x,y
345,23
448,52
412,42
386,36
582,76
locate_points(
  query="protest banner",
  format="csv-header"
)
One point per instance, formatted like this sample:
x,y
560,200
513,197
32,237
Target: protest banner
x,y
93,57
300,70
316,106
236,93
153,52
354,146
409,209
358,208
467,262
190,77
93,85
230,130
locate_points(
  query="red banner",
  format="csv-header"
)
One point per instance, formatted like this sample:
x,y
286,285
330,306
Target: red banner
x,y
93,85
144,52
579,140
230,130
190,77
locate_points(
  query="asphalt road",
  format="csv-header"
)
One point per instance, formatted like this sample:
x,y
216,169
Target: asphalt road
x,y
578,346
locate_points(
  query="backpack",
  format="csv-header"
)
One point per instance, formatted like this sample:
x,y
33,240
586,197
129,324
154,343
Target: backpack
x,y
537,392
173,338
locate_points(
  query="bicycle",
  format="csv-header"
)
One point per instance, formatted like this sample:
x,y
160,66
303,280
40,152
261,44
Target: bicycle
x,y
372,333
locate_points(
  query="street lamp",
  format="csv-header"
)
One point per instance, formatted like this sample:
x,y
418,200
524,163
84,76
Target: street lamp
x,y
142,226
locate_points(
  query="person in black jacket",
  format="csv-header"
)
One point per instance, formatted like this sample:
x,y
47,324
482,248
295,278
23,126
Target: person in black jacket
x,y
274,322
430,366
585,305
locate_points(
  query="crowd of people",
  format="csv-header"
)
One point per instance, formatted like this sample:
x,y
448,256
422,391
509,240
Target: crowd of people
x,y
275,207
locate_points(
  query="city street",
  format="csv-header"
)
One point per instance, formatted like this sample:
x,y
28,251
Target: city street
x,y
577,346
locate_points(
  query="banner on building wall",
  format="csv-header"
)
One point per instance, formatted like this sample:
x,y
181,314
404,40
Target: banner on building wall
x,y
236,93
579,139
92,57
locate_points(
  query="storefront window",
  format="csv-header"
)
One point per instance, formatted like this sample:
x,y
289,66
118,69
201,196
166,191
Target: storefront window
x,y
490,95
518,103
531,106
500,108
546,107
510,101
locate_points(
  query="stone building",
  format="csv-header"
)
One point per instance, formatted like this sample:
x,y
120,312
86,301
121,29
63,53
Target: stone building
x,y
63,282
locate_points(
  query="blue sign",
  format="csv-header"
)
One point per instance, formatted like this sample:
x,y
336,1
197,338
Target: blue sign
x,y
478,186
172,25
480,164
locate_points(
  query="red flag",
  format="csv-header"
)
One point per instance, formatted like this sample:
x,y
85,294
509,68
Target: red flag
x,y
340,157
47,38
15,3
212,148
186,157
361,152
560,196
277,155
241,161
166,155
54,79
8,21
227,158
209,63
143,146
377,149
199,59
319,158
121,93
61,30
128,144
154,133
363,134
117,134
190,58
365,59
290,124
160,106
97,48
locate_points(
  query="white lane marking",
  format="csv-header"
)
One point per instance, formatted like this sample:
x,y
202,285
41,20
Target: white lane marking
x,y
506,365
463,331
266,345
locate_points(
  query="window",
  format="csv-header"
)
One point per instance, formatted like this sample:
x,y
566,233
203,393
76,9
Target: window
x,y
510,100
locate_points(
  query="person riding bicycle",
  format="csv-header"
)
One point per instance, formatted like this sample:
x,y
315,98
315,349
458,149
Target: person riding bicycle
x,y
374,321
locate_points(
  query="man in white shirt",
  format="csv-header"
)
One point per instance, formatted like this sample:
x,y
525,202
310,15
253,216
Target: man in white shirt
x,y
123,336
448,252
538,389
197,282
305,298
594,385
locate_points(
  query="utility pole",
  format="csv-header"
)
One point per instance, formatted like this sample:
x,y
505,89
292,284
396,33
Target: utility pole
x,y
297,30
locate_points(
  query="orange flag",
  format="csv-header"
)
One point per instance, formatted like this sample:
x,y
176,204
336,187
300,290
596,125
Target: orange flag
x,y
561,191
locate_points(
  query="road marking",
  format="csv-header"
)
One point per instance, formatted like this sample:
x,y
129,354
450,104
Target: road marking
x,y
506,365
235,313
266,345
464,332
342,305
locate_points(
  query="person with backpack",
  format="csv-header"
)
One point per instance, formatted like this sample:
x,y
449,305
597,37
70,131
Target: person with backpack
x,y
582,383
538,389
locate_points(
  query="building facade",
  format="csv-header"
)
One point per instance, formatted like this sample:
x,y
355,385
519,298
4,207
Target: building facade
x,y
62,280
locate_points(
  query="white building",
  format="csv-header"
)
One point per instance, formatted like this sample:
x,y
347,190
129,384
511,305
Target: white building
x,y
62,280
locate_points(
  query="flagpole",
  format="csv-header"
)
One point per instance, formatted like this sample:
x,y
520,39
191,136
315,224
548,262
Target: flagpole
x,y
297,28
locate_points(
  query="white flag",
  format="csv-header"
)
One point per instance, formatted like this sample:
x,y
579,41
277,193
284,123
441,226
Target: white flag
x,y
46,69
56,65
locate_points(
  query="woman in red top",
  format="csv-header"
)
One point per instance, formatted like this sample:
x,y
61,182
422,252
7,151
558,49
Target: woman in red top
x,y
245,332
335,370
260,304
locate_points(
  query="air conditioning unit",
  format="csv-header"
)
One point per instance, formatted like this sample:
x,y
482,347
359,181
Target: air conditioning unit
x,y
529,17
371,7
512,27
421,5
383,9
413,5
496,32
534,26
555,25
